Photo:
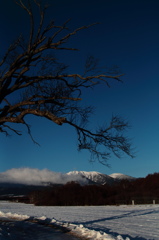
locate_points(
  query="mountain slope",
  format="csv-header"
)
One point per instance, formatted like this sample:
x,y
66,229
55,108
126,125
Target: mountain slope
x,y
120,176
94,177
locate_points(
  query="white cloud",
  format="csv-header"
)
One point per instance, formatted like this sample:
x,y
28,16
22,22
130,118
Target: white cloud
x,y
35,176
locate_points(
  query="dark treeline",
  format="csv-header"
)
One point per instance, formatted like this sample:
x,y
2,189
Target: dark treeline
x,y
142,191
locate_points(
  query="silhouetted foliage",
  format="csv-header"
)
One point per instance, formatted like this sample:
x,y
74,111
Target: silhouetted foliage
x,y
142,191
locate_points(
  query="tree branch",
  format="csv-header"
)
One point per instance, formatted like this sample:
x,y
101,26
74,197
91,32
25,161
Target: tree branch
x,y
34,82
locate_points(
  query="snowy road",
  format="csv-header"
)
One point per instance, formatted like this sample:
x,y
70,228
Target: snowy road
x,y
22,230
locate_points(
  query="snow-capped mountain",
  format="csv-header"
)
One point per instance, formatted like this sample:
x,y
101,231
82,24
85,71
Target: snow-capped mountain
x,y
120,176
36,177
99,178
93,177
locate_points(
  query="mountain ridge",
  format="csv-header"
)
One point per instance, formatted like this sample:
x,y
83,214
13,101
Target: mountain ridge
x,y
45,177
121,176
101,178
16,187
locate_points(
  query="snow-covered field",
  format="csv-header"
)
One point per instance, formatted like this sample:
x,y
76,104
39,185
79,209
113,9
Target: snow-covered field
x,y
102,222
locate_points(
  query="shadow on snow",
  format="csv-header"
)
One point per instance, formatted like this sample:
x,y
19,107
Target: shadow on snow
x,y
109,231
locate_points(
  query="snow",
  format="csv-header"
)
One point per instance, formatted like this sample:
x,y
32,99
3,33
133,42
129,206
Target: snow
x,y
138,222
86,174
121,176
94,176
26,230
33,176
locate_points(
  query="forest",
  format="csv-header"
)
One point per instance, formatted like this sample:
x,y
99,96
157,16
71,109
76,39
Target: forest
x,y
141,191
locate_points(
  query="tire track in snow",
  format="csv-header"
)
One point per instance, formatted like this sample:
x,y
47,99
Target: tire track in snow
x,y
23,230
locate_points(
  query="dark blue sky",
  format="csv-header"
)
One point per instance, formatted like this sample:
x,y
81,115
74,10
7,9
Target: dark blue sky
x,y
127,36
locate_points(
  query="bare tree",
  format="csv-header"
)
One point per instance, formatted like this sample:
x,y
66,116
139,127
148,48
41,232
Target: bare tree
x,y
43,87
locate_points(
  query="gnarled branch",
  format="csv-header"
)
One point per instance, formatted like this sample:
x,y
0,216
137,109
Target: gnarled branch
x,y
44,87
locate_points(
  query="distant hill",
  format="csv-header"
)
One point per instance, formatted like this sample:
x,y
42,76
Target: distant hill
x,y
93,177
43,179
99,178
17,189
120,176
140,190
86,188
